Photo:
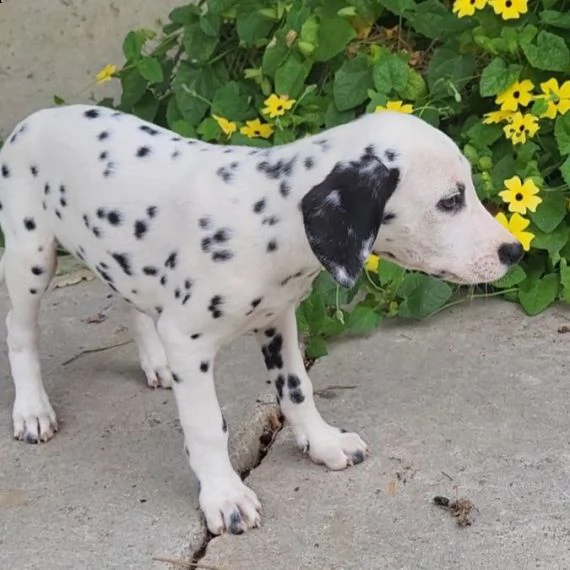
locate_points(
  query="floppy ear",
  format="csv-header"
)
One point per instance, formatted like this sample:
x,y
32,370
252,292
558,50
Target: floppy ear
x,y
342,214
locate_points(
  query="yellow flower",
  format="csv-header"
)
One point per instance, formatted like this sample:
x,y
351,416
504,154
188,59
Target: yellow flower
x,y
496,117
509,9
256,128
516,225
519,93
558,97
397,106
228,127
276,105
520,196
106,73
467,7
372,263
520,127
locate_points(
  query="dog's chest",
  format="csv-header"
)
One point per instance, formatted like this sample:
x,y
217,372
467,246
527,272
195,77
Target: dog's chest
x,y
276,299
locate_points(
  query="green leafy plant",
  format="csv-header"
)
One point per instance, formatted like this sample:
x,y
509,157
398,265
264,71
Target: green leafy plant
x,y
489,73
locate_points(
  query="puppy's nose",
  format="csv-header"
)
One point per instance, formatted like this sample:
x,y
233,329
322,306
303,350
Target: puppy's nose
x,y
510,253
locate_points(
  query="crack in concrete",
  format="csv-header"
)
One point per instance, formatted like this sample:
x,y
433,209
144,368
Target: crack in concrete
x,y
273,421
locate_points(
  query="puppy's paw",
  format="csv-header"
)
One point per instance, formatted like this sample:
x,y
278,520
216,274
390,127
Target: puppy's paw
x,y
34,420
335,448
229,505
160,377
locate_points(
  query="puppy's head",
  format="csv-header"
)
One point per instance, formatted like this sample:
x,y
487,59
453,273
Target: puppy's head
x,y
405,192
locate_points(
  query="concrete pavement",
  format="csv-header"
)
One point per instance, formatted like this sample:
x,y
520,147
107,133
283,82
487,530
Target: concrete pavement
x,y
113,489
472,403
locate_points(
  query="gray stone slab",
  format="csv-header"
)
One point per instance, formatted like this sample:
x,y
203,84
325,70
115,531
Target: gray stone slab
x,y
472,403
113,488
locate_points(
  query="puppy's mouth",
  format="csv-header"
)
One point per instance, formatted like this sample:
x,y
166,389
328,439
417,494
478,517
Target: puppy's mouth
x,y
447,275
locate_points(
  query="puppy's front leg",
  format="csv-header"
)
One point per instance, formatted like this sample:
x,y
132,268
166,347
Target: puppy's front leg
x,y
227,503
324,443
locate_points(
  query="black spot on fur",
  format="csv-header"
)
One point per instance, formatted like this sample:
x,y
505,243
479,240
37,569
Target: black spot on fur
x,y
224,425
187,284
58,213
158,309
96,231
37,270
140,229
272,353
143,151
171,260
270,221
177,379
214,307
278,169
29,224
124,262
103,155
223,255
279,384
100,213
204,366
86,220
204,223
390,155
175,154
272,246
297,396
44,205
5,171
206,244
270,332
259,206
256,302
177,293
33,291
34,170
387,217
63,202
91,113
149,130
151,211
163,280
323,143
46,189
284,188
149,270
222,235
309,162
114,218
103,135
195,336
185,300
225,174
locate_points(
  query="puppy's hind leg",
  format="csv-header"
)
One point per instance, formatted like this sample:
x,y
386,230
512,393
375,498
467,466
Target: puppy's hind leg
x,y
28,269
151,352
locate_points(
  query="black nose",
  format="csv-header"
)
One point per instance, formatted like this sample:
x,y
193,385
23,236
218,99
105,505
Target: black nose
x,y
510,253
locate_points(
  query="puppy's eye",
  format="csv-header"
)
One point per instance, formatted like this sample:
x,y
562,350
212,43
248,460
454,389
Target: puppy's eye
x,y
451,204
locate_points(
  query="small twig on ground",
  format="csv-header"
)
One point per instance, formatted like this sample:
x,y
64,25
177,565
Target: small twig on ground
x,y
446,475
327,392
186,565
91,350
460,509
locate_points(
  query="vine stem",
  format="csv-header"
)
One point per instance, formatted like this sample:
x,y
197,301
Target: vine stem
x,y
470,298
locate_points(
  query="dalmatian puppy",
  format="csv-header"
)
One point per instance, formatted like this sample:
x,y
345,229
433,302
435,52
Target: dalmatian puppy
x,y
207,242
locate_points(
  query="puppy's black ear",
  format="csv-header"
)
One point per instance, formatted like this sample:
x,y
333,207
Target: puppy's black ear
x,y
342,214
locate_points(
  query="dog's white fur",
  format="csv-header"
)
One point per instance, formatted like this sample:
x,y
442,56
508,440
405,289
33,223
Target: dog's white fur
x,y
207,242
